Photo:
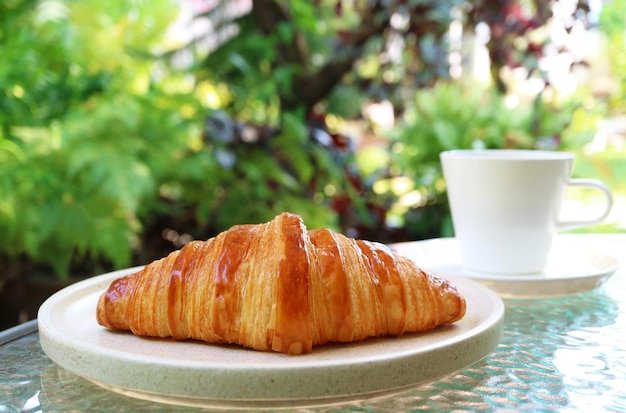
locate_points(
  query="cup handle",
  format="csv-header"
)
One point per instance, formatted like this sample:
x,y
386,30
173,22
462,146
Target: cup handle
x,y
593,183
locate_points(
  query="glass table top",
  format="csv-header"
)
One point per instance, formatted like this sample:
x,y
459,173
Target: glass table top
x,y
556,354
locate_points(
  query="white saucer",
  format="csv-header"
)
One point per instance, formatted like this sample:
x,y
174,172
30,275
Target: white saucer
x,y
573,266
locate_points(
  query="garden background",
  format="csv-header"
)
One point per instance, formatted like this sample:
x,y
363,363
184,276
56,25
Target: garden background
x,y
129,127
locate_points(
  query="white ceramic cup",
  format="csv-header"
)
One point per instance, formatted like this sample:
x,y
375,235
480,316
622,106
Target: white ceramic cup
x,y
505,206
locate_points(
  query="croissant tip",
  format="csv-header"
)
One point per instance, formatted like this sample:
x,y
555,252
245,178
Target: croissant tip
x,y
455,302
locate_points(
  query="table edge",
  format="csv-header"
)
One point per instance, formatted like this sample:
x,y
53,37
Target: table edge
x,y
18,331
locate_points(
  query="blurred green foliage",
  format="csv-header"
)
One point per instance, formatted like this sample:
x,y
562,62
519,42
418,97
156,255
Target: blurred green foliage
x,y
119,144
104,147
84,138
613,24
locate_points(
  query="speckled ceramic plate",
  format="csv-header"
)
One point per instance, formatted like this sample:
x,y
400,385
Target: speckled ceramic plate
x,y
576,264
198,374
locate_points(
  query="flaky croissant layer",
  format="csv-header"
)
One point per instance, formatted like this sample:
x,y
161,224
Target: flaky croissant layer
x,y
277,286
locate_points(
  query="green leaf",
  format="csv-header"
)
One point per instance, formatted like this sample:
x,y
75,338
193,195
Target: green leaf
x,y
446,135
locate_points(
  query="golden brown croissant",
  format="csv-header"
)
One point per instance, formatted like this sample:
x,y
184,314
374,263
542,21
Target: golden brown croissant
x,y
277,286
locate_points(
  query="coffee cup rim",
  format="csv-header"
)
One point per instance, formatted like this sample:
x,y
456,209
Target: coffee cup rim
x,y
506,154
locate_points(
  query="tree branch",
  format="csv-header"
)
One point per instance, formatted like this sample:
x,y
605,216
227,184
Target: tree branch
x,y
270,13
310,88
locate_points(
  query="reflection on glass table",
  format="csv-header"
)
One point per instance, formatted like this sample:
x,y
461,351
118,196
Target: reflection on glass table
x,y
565,353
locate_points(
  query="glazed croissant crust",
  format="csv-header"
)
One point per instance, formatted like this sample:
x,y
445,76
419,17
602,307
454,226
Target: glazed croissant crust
x,y
277,286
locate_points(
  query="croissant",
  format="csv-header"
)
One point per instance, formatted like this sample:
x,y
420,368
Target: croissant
x,y
276,286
